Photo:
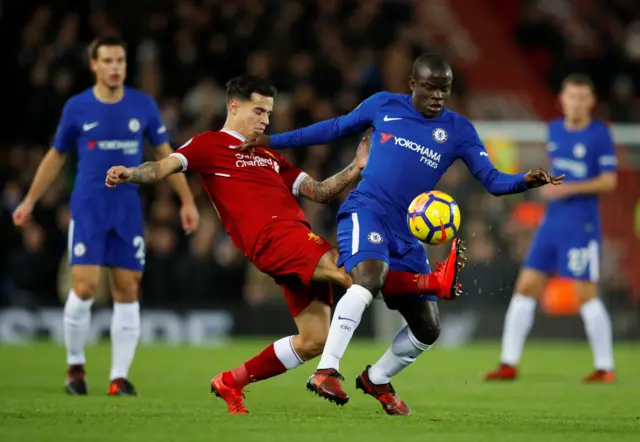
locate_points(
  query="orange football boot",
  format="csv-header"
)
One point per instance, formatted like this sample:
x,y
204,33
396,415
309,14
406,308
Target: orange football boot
x,y
503,373
385,394
447,272
600,376
232,396
327,383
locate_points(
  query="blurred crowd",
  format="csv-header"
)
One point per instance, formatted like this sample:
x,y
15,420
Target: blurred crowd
x,y
324,56
598,37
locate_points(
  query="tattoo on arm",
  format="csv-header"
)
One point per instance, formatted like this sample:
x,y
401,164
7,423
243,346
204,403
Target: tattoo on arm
x,y
322,192
145,173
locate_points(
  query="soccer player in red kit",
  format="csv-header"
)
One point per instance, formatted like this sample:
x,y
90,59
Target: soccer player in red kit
x,y
254,196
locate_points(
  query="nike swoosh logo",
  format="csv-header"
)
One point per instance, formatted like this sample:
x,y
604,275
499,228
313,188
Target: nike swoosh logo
x,y
386,118
88,126
346,319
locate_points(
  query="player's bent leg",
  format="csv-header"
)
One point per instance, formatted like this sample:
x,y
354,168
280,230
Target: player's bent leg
x,y
310,307
125,329
77,322
518,322
597,325
368,278
327,270
443,282
421,332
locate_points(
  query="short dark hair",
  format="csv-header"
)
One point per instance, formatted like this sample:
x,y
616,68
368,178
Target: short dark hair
x,y
109,40
578,79
432,60
243,86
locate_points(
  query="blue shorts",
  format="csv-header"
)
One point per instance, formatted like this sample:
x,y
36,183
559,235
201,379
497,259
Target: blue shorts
x,y
365,234
570,251
107,232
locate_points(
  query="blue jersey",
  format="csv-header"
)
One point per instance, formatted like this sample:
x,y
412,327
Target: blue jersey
x,y
106,135
409,154
106,225
568,241
581,155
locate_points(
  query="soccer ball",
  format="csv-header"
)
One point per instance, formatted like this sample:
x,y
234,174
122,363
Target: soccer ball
x,y
434,217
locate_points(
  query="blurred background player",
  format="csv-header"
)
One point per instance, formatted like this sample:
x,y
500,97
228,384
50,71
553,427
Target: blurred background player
x,y
569,240
106,124
415,140
254,196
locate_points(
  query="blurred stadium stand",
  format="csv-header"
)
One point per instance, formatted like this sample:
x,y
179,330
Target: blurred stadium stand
x,y
324,56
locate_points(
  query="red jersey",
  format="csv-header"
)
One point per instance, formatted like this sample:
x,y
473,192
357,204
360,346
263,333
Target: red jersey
x,y
248,190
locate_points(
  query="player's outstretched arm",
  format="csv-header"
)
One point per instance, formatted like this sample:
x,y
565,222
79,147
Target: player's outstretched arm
x,y
146,173
356,121
324,191
47,172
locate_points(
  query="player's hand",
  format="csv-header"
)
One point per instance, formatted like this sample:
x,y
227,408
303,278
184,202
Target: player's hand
x,y
551,193
258,139
190,217
118,175
540,177
362,154
22,214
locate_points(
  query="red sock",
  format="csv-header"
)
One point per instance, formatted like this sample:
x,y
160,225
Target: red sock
x,y
263,366
405,283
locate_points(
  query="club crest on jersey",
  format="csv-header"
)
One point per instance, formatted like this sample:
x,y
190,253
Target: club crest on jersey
x,y
579,151
375,238
134,125
440,135
79,249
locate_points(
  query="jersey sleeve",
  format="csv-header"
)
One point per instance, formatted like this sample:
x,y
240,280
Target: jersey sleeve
x,y
356,121
156,131
291,175
473,153
607,160
67,131
194,155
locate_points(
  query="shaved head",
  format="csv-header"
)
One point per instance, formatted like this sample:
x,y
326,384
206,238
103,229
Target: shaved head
x,y
430,83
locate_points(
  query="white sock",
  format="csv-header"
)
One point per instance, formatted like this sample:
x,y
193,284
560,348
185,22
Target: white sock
x,y
286,353
346,319
517,325
76,323
125,331
403,351
597,324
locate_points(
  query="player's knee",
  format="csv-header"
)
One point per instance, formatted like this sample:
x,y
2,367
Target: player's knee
x,y
310,346
585,291
85,289
427,332
371,275
530,283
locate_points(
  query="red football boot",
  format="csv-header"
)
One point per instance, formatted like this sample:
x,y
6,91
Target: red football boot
x,y
76,384
447,272
232,396
600,376
121,387
327,383
503,373
385,394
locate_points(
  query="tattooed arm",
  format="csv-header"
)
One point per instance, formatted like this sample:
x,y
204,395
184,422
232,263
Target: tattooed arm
x,y
322,192
148,172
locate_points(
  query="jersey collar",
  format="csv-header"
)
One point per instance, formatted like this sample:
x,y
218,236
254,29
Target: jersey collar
x,y
234,134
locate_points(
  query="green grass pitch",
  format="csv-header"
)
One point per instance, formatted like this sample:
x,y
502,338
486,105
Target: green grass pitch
x,y
443,389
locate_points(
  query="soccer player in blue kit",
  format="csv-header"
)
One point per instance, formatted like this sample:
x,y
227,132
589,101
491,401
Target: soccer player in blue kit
x,y
107,125
415,140
568,241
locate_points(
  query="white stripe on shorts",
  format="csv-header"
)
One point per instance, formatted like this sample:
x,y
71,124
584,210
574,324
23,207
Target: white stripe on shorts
x,y
355,234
